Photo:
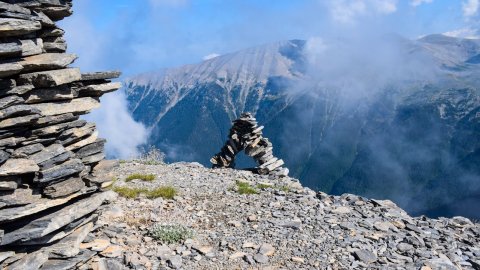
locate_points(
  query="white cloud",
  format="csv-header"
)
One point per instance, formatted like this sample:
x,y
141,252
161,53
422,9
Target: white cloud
x,y
113,119
416,3
210,56
115,123
470,7
467,33
348,11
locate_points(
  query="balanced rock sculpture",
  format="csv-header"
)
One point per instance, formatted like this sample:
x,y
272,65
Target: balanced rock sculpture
x,y
52,165
245,134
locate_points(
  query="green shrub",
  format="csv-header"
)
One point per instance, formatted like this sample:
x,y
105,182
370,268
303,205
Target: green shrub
x,y
245,188
143,177
170,234
166,192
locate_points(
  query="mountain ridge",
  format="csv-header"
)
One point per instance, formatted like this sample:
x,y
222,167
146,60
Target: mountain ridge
x,y
337,136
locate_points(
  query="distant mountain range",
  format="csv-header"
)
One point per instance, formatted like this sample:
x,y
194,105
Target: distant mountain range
x,y
414,139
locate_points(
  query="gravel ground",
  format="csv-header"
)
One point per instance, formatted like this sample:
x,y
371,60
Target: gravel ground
x,y
284,226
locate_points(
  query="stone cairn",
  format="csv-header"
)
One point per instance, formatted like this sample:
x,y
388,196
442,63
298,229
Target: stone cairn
x,y
245,134
52,165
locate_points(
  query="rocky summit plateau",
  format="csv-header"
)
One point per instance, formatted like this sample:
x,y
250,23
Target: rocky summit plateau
x,y
279,225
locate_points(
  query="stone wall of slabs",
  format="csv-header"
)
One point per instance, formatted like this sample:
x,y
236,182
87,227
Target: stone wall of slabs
x,y
52,167
245,134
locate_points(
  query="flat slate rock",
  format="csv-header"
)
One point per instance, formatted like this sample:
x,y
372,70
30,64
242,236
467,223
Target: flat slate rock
x,y
10,100
78,105
100,75
63,188
100,89
10,69
65,169
47,153
11,214
50,94
49,223
47,61
51,78
18,121
18,166
31,261
18,110
16,27
70,263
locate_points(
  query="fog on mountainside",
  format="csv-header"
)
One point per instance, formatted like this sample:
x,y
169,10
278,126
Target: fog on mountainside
x,y
384,118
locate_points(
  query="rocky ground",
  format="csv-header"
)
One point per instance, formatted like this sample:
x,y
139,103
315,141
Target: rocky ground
x,y
284,226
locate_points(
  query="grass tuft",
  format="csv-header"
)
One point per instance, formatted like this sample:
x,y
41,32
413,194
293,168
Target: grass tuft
x,y
129,192
263,186
143,177
166,192
284,189
245,188
170,234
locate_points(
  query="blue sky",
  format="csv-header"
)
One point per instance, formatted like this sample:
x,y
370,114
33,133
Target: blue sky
x,y
143,35
137,36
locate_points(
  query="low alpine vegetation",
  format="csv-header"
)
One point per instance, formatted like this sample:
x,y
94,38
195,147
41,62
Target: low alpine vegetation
x,y
129,192
143,177
245,188
166,192
169,234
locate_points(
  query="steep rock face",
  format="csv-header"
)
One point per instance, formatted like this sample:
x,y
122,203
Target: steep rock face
x,y
414,140
49,158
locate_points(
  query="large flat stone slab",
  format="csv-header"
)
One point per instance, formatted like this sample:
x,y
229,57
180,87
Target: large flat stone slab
x,y
78,105
18,121
51,78
63,188
9,69
18,110
65,169
49,223
99,89
18,166
11,214
59,93
47,153
47,61
93,76
16,27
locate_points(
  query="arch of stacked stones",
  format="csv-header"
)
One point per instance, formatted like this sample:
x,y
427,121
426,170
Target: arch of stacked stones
x,y
52,167
246,135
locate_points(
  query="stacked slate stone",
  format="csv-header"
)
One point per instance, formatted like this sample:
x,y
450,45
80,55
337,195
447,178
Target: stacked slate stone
x,y
51,162
245,134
